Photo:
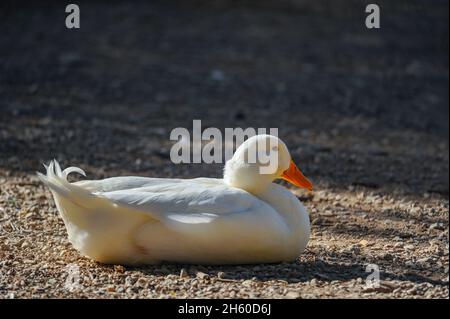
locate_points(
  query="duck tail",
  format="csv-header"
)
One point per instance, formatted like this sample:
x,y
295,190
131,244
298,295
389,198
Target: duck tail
x,y
56,180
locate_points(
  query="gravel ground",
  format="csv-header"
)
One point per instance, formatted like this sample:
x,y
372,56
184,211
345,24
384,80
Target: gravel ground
x,y
365,114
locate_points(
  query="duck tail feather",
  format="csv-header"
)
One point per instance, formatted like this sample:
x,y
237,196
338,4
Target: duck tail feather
x,y
56,180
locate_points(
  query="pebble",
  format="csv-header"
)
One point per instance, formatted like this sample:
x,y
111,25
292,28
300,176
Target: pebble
x,y
141,282
129,281
201,275
423,260
293,295
183,273
119,268
412,291
380,288
437,226
364,243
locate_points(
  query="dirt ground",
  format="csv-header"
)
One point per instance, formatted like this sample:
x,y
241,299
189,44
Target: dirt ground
x,y
364,112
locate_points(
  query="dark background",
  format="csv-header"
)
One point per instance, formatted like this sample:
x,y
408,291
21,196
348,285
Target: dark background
x,y
355,106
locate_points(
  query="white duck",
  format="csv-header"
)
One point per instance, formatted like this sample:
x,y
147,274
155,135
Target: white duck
x,y
242,218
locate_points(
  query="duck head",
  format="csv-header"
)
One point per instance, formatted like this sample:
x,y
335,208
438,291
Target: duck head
x,y
259,161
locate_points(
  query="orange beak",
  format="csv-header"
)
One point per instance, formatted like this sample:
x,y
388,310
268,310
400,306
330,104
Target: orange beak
x,y
295,176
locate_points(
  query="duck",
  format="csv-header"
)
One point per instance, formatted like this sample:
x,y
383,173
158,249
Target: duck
x,y
242,218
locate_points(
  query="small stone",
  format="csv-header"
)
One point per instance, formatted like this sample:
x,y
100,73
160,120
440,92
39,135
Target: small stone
x,y
242,292
437,226
183,273
397,290
221,275
293,295
412,291
201,275
398,245
129,290
364,243
313,282
129,281
381,288
354,249
423,260
119,268
141,282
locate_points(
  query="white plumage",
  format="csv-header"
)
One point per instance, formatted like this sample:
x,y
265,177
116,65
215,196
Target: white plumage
x,y
135,220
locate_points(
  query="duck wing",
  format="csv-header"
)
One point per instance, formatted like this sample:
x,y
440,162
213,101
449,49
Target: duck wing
x,y
200,207
119,183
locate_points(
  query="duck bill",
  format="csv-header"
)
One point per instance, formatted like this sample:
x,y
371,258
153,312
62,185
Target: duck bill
x,y
294,176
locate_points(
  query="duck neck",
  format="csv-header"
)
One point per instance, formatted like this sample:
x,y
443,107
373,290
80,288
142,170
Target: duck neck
x,y
246,178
